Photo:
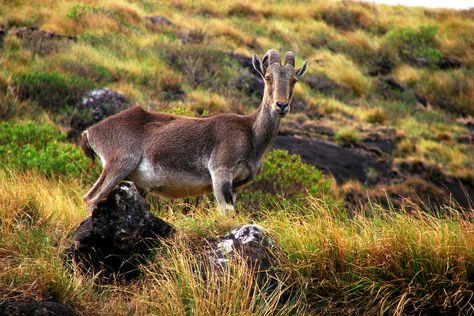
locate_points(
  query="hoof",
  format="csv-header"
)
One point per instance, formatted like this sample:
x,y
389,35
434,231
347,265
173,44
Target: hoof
x,y
227,210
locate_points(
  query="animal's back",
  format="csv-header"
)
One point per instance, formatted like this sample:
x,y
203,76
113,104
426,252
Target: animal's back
x,y
121,133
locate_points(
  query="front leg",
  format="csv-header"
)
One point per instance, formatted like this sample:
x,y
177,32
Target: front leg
x,y
222,187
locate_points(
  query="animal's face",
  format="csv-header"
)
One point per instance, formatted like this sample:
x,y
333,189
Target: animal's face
x,y
280,80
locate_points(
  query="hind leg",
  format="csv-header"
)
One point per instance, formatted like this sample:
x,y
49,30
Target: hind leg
x,y
111,175
88,197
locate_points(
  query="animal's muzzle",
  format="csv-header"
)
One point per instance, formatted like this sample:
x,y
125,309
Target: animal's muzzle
x,y
282,107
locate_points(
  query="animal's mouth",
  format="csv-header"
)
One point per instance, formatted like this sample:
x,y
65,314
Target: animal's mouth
x,y
282,113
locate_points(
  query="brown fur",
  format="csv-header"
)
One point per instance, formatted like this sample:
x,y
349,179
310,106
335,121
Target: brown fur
x,y
176,156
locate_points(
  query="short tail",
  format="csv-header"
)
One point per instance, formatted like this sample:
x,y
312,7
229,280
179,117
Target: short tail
x,y
86,147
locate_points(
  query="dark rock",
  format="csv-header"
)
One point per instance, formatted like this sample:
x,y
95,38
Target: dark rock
x,y
95,106
343,163
159,20
249,242
252,244
120,234
461,190
36,308
449,63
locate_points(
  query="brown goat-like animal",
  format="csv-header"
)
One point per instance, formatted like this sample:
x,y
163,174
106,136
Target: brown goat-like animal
x,y
175,156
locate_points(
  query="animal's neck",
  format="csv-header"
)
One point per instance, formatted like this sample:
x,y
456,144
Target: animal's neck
x,y
265,126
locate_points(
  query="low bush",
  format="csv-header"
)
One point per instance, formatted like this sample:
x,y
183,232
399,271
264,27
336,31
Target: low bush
x,y
285,179
413,44
52,90
347,136
29,146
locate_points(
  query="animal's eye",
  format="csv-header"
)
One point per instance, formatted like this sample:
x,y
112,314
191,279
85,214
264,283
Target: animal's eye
x,y
268,78
293,81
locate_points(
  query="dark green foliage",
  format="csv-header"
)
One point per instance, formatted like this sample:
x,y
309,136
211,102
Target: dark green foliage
x,y
52,90
412,44
285,179
40,147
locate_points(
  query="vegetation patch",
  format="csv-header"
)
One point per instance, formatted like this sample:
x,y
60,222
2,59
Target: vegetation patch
x,y
415,45
51,90
29,146
286,179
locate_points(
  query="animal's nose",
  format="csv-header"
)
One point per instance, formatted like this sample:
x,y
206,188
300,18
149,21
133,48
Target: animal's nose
x,y
282,105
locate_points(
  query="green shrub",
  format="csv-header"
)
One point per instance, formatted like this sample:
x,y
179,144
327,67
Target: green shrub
x,y
28,145
285,179
411,43
52,90
347,136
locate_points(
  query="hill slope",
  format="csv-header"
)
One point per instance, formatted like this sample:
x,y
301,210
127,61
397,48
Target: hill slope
x,y
385,113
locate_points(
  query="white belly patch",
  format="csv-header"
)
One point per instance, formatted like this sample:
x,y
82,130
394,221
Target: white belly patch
x,y
168,183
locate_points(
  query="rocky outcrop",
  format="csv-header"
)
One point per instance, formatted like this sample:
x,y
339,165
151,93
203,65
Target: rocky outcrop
x,y
120,234
249,242
369,161
343,163
95,106
35,308
255,246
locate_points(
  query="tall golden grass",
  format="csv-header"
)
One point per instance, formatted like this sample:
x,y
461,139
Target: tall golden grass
x,y
374,262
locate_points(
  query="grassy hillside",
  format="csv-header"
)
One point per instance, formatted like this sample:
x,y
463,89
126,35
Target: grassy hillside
x,y
403,74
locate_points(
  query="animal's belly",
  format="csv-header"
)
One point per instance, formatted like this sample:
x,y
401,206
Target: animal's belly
x,y
169,183
181,191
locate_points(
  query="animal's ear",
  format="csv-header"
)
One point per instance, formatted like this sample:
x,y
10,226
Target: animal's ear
x,y
300,72
258,65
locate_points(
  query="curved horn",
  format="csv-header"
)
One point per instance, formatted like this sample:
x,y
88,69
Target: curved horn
x,y
290,58
271,57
